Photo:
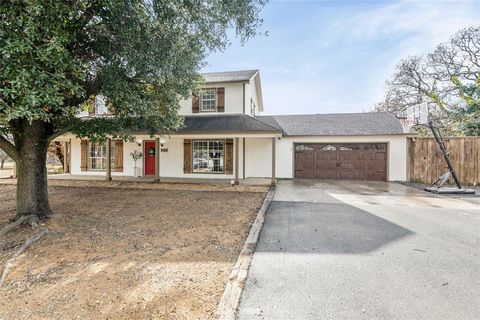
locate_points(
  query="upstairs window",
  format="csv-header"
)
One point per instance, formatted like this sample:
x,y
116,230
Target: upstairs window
x,y
208,101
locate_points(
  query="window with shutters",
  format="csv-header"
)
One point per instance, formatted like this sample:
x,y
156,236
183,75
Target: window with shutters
x,y
208,100
97,159
208,156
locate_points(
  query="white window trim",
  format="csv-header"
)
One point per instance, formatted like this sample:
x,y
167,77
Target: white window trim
x,y
223,141
101,158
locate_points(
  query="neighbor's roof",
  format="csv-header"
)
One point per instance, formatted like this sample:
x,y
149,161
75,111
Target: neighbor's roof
x,y
338,124
229,76
225,123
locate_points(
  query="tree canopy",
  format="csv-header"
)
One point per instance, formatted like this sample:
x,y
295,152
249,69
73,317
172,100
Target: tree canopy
x,y
141,56
448,78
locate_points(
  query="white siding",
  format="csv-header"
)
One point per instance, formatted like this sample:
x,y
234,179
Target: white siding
x,y
171,162
233,99
258,156
252,102
128,162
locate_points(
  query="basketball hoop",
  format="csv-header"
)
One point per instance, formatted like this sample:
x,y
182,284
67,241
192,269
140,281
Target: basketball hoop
x,y
407,124
414,116
418,114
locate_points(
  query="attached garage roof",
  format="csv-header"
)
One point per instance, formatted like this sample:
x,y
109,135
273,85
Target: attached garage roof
x,y
225,123
338,124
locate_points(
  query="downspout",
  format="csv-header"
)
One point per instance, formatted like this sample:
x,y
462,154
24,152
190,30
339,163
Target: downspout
x,y
243,148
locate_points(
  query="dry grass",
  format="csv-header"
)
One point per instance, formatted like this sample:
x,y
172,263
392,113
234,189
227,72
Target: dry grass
x,y
126,253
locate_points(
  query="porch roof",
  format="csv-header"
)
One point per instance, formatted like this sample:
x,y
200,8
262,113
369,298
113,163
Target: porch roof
x,y
225,123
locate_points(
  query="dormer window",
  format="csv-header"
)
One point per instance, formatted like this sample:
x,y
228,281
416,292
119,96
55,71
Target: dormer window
x,y
209,101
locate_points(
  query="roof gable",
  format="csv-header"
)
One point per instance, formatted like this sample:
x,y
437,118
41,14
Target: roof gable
x,y
229,76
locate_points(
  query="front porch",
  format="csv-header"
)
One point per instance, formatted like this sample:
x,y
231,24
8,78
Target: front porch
x,y
247,159
166,180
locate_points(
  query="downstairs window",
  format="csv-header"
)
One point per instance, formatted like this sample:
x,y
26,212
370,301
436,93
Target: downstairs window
x,y
208,156
98,156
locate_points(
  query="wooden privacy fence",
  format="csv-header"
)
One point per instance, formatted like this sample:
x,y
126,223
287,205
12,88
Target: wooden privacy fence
x,y
427,162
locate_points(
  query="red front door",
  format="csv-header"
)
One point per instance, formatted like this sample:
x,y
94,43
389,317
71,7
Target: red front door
x,y
149,156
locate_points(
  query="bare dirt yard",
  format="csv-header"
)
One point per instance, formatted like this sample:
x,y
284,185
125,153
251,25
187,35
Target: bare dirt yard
x,y
126,253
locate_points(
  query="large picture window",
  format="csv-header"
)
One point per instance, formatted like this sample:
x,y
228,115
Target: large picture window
x,y
208,156
209,101
98,156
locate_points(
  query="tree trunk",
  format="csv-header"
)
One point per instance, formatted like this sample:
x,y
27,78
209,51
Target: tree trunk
x,y
32,191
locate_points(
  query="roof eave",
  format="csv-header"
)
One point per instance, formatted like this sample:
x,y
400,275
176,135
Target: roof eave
x,y
349,135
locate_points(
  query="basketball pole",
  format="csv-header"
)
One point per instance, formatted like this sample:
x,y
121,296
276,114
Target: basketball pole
x,y
441,144
419,115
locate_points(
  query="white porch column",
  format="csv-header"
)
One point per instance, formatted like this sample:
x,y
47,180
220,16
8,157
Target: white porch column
x,y
109,162
157,159
274,180
243,159
236,158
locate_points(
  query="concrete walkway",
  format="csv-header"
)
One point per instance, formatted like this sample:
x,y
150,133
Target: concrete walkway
x,y
357,250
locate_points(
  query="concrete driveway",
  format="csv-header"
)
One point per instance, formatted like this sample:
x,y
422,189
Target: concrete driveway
x,y
364,250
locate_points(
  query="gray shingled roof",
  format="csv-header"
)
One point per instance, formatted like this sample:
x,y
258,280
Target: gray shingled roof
x,y
225,123
339,124
229,76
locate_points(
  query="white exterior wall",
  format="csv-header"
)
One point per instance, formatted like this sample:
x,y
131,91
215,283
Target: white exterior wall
x,y
248,96
252,99
233,99
171,162
397,153
128,162
258,156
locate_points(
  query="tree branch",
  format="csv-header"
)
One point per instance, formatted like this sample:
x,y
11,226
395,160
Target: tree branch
x,y
8,147
57,134
26,245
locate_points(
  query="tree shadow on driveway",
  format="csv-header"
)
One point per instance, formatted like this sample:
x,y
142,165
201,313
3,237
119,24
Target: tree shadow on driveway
x,y
325,228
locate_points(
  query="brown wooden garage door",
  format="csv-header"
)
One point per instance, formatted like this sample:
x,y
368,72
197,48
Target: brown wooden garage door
x,y
347,161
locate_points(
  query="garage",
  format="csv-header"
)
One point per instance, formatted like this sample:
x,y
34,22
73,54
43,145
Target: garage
x,y
341,161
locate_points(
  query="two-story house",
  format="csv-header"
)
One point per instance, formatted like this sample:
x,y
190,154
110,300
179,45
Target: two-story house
x,y
225,136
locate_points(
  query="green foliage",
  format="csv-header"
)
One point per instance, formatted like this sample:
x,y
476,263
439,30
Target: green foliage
x,y
470,115
143,56
448,79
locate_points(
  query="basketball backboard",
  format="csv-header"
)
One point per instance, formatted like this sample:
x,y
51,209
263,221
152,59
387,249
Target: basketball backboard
x,y
417,114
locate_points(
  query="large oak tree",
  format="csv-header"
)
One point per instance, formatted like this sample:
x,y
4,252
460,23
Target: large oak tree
x,y
448,78
142,55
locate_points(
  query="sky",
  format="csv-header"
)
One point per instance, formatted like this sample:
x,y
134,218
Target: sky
x,y
334,56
